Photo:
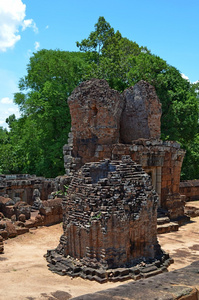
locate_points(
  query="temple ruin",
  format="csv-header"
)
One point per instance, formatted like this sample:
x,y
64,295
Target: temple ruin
x,y
107,124
20,187
110,224
121,171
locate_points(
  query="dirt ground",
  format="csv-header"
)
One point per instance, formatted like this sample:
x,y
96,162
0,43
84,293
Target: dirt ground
x,y
24,273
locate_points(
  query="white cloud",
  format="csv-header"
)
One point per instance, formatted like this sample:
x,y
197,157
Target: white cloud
x,y
29,53
13,110
197,81
12,18
47,26
6,100
37,45
184,76
29,23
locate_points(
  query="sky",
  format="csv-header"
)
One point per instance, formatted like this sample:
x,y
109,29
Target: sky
x,y
169,28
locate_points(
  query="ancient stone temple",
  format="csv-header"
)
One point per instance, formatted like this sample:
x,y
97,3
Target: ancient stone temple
x,y
110,224
107,124
22,186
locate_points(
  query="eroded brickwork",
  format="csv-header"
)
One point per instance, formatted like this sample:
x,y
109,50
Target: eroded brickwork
x,y
162,159
190,189
109,222
21,187
141,114
107,124
1,245
95,110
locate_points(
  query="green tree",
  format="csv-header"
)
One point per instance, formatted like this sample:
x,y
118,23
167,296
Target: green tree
x,y
190,167
97,39
108,54
51,77
3,151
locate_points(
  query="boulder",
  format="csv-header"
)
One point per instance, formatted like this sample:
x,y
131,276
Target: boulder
x,y
22,208
11,230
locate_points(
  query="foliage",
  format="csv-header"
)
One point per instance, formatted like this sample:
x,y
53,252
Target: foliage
x,y
60,192
37,138
190,167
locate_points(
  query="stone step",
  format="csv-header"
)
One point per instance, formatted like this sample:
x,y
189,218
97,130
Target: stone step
x,y
168,227
163,220
192,209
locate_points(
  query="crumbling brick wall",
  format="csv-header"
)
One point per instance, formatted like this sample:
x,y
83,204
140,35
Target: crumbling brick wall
x,y
21,187
109,220
190,189
107,124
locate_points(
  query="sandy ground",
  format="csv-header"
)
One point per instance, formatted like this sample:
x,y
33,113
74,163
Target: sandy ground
x,y
24,273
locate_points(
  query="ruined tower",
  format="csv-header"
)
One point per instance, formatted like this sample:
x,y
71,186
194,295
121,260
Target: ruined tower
x,y
107,124
110,224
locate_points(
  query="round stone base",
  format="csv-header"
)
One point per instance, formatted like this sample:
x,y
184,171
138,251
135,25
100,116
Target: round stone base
x,y
74,268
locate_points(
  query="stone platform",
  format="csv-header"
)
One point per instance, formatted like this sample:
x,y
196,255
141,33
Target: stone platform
x,y
181,284
75,268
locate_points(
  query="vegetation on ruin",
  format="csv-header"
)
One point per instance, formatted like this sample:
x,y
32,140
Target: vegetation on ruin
x,y
35,140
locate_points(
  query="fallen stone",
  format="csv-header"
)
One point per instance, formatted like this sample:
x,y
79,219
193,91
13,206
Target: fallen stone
x,y
22,218
21,230
10,228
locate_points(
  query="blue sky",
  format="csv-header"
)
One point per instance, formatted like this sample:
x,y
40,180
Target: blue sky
x,y
169,28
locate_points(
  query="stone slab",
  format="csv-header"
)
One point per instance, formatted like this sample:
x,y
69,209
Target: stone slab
x,y
180,284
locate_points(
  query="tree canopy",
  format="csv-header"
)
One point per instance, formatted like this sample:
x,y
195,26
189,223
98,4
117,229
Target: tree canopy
x,y
38,136
34,142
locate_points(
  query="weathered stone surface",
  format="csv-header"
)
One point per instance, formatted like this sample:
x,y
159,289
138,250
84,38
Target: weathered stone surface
x,y
161,159
4,234
20,223
2,225
22,208
190,189
11,230
20,187
51,211
110,224
6,206
1,216
192,211
21,230
96,110
37,202
1,245
22,218
141,115
6,201
168,227
133,130
180,284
